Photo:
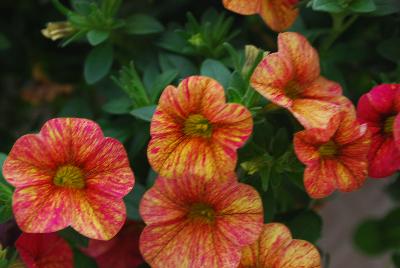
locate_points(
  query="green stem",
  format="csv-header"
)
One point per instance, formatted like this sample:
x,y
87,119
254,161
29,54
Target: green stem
x,y
341,22
60,7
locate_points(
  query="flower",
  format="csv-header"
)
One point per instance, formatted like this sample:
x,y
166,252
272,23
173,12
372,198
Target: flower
x,y
58,30
277,14
120,252
193,130
192,222
276,248
44,250
291,78
69,174
335,157
379,109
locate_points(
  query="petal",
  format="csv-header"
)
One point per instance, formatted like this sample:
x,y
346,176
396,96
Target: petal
x,y
44,250
384,157
109,170
303,56
349,129
313,113
350,175
382,98
271,76
320,179
278,15
396,131
366,112
41,208
300,253
97,215
243,7
195,94
321,88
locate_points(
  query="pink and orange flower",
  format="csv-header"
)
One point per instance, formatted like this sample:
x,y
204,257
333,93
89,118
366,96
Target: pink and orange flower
x,y
380,110
291,78
192,222
275,248
69,175
120,252
279,15
335,157
195,131
44,251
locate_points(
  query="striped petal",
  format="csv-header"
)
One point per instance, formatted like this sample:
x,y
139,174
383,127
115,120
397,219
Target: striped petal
x,y
384,157
313,113
303,56
279,15
276,248
244,7
320,179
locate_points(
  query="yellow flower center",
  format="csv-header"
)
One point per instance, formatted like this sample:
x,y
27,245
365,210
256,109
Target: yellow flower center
x,y
292,90
328,149
197,125
70,177
388,125
202,211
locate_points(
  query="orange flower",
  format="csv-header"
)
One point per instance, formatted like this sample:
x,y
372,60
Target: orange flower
x,y
193,130
194,223
44,251
69,174
336,157
275,248
291,78
277,14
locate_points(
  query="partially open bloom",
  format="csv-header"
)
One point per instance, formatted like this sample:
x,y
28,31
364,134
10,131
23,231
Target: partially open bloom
x,y
379,109
69,174
120,252
58,30
291,78
192,222
279,15
193,130
335,157
275,248
44,250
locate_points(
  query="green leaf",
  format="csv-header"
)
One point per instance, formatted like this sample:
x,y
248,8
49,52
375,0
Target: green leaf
x,y
81,260
98,63
390,49
76,107
132,201
83,7
368,237
96,37
2,159
396,259
215,69
161,82
181,64
140,138
331,6
386,7
265,174
74,238
143,24
281,142
307,226
362,6
144,113
118,106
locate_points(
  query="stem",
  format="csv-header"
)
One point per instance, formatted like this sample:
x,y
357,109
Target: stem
x,y
341,22
60,7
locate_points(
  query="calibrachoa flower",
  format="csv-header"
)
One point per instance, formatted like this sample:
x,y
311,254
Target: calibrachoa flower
x,y
192,222
291,78
69,174
336,157
44,250
120,252
193,130
380,109
277,14
275,248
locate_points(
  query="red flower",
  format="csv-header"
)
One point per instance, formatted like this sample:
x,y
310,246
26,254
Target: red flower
x,y
120,252
380,109
44,251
